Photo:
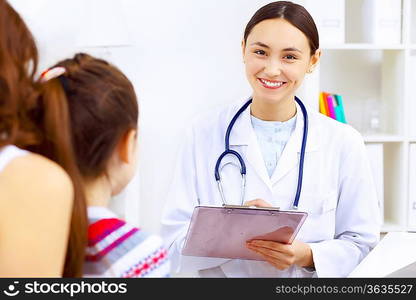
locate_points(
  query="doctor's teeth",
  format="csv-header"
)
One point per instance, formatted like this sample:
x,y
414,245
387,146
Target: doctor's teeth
x,y
272,84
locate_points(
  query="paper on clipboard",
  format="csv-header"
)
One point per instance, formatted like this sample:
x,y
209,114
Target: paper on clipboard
x,y
222,232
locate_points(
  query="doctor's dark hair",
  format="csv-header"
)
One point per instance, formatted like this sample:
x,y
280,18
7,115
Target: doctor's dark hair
x,y
102,106
32,121
295,14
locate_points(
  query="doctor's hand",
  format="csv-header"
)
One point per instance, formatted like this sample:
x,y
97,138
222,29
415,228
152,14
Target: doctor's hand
x,y
257,203
282,256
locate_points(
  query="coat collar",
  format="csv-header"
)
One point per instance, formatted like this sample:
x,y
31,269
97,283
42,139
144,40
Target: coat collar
x,y
243,134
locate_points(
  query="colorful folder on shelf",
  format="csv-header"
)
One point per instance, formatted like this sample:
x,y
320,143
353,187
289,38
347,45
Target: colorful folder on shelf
x,y
339,109
332,106
322,104
324,96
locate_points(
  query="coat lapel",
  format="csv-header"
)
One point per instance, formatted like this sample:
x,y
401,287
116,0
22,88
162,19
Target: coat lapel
x,y
291,153
290,157
244,140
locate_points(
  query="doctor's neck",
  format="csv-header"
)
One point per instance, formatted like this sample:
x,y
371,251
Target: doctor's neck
x,y
282,111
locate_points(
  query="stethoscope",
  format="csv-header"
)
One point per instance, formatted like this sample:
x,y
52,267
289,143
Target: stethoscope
x,y
228,151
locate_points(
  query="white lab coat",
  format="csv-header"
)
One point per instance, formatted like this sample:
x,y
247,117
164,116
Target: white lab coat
x,y
338,193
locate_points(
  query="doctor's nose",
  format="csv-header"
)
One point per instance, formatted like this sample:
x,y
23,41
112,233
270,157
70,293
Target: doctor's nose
x,y
273,68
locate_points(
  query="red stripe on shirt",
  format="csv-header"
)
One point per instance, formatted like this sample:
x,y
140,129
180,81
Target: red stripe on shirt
x,y
99,255
102,228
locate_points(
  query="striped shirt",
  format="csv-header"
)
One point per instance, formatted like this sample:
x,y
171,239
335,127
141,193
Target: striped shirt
x,y
117,249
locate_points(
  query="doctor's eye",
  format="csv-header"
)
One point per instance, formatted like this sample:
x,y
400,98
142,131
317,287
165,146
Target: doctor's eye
x,y
290,57
260,52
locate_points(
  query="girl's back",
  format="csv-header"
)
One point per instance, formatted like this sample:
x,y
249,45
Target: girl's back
x,y
36,198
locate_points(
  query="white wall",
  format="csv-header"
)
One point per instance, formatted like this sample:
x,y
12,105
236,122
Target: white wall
x,y
183,57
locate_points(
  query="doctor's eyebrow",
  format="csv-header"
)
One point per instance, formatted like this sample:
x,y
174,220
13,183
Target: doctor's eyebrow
x,y
292,49
267,47
260,44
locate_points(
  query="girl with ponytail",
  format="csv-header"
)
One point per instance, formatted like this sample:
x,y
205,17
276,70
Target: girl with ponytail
x,y
103,113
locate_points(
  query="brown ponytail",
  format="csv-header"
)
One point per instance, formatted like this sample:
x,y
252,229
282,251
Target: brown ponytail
x,y
55,143
35,117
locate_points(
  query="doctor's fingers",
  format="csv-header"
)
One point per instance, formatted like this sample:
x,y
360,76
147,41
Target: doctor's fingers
x,y
280,256
275,246
280,262
257,203
277,264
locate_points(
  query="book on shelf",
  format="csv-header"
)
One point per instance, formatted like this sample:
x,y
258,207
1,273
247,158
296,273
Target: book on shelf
x,y
322,105
339,109
332,106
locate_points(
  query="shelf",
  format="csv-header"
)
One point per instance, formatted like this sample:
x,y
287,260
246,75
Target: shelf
x,y
384,139
364,46
390,227
374,71
371,83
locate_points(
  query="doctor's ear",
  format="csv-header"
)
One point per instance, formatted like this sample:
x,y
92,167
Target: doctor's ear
x,y
243,49
314,61
127,146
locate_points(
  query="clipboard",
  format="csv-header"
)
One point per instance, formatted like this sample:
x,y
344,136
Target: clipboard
x,y
222,232
405,272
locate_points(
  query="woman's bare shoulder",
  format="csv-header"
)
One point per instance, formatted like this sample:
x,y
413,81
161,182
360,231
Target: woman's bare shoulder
x,y
35,176
36,197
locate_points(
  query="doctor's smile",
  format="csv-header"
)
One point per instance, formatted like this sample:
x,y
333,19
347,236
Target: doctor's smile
x,y
271,84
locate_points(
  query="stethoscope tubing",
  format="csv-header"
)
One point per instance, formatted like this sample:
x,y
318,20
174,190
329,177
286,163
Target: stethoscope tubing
x,y
243,169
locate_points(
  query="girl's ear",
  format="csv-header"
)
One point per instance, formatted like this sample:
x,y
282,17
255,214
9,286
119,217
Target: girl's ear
x,y
127,146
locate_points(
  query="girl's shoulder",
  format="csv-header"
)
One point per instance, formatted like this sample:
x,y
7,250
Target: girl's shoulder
x,y
33,175
36,197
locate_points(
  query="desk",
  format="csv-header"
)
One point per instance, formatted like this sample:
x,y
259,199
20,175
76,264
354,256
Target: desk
x,y
395,251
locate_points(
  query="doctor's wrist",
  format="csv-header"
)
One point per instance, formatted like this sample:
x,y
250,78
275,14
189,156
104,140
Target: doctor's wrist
x,y
305,259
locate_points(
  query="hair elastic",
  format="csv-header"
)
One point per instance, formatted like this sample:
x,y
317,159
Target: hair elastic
x,y
51,73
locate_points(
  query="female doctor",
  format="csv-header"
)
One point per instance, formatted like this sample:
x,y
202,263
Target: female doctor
x,y
294,158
